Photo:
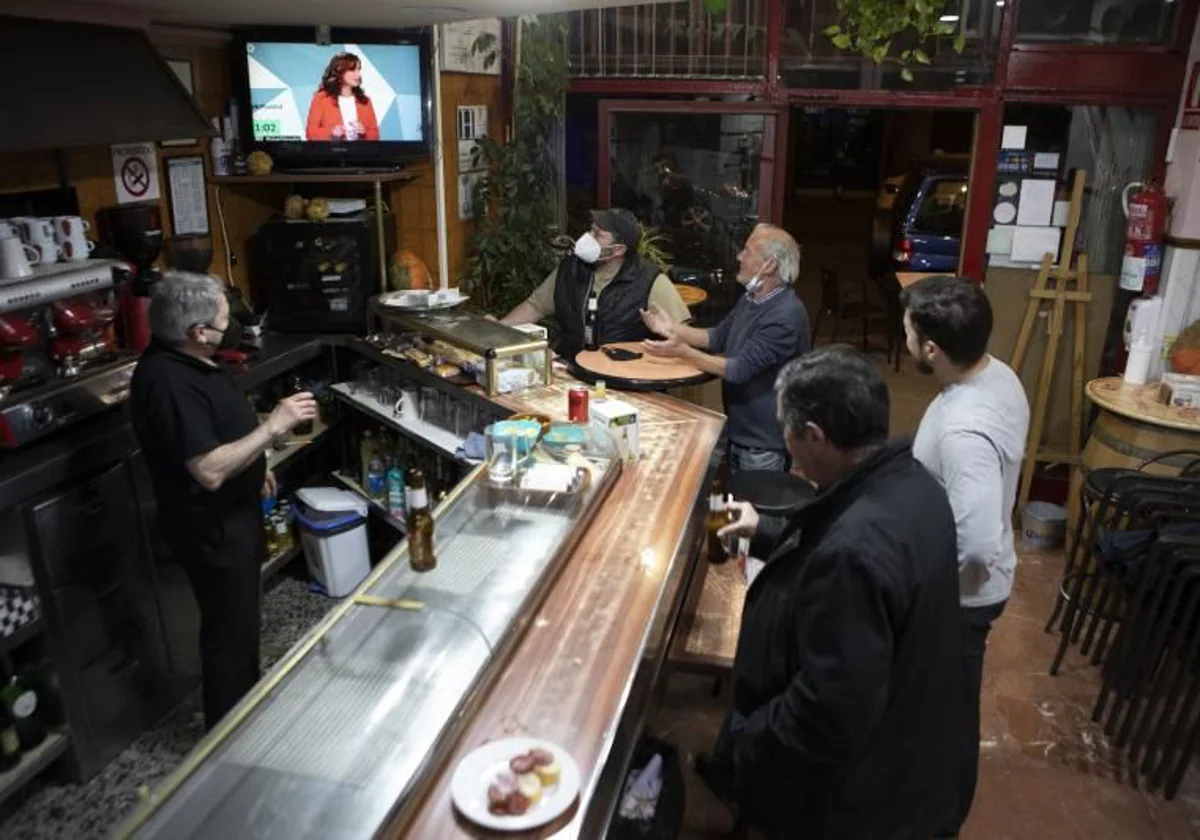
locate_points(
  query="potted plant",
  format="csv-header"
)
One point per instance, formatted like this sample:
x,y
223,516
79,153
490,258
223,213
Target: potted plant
x,y
515,203
873,27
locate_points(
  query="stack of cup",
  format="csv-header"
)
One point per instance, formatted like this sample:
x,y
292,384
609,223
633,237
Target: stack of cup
x,y
16,258
38,234
69,232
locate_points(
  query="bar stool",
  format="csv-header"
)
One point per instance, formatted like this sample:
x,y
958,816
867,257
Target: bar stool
x,y
772,492
1109,499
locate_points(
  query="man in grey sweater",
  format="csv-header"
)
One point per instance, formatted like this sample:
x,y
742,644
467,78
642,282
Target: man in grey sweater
x,y
972,438
767,328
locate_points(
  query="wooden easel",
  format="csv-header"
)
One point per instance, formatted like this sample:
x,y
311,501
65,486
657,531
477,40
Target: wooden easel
x,y
1058,286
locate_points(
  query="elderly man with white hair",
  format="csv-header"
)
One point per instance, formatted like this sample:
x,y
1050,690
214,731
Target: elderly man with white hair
x,y
765,330
205,450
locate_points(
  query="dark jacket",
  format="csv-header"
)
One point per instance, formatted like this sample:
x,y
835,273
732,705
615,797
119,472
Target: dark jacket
x,y
847,678
618,315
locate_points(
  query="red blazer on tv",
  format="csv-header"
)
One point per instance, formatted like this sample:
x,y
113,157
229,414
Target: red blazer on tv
x,y
324,116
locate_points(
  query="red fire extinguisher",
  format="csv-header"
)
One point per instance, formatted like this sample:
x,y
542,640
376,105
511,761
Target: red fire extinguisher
x,y
1145,224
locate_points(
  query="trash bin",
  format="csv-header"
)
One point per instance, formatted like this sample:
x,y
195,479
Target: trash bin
x,y
333,531
1043,526
668,814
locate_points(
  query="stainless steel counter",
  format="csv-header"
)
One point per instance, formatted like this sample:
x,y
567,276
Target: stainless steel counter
x,y
337,738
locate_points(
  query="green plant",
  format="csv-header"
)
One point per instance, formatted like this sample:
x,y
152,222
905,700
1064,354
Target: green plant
x,y
515,202
650,247
869,27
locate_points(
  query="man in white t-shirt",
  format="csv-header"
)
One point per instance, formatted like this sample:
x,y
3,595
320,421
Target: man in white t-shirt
x,y
972,438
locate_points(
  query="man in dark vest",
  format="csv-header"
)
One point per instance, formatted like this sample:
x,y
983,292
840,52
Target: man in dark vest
x,y
596,295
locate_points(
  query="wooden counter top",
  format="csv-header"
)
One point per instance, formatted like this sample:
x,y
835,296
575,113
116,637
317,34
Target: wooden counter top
x,y
584,667
1141,403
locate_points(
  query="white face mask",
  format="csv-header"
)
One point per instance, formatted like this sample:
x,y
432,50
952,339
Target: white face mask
x,y
587,248
753,284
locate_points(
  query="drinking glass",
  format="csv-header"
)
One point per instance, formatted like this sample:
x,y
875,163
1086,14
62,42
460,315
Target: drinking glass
x,y
501,454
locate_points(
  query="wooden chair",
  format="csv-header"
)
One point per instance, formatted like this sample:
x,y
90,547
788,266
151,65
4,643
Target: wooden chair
x,y
850,302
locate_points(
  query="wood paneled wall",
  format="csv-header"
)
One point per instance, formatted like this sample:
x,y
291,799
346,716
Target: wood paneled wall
x,y
245,208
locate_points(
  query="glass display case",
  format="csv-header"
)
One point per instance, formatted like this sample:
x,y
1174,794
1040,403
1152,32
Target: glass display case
x,y
338,738
456,343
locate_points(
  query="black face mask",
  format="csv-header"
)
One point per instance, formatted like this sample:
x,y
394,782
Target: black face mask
x,y
232,337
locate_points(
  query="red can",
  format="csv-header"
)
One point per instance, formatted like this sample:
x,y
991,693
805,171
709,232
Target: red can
x,y
577,405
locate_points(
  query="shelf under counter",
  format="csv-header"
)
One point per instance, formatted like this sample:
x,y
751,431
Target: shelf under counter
x,y
33,763
446,443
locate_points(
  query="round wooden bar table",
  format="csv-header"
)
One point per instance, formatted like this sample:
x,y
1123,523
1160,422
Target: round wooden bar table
x,y
647,373
1132,427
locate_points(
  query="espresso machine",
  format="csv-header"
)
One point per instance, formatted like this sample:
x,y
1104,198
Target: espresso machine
x,y
60,358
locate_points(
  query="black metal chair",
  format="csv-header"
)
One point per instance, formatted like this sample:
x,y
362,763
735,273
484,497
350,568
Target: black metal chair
x,y
843,302
1101,506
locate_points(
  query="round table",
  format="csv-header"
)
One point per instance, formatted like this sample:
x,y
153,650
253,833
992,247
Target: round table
x,y
691,295
1132,427
648,373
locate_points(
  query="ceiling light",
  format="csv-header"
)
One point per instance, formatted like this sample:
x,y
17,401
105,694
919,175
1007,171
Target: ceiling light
x,y
949,18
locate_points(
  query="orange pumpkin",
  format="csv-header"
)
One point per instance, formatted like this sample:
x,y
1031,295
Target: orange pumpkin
x,y
408,272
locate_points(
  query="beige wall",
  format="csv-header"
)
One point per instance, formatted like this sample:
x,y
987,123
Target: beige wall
x,y
1008,290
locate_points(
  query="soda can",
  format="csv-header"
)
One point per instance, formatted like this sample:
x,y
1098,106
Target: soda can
x,y
577,404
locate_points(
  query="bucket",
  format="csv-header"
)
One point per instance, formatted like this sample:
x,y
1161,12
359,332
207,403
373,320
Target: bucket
x,y
1043,526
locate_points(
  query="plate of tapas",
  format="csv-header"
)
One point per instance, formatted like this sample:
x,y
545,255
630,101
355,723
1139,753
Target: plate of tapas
x,y
515,784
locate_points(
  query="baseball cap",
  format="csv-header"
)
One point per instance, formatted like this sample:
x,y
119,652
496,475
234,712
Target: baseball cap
x,y
623,225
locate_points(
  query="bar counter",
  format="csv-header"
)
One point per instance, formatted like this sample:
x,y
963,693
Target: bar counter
x,y
573,661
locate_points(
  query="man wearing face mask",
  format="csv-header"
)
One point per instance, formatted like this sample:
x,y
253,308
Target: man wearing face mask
x,y
205,450
596,295
767,328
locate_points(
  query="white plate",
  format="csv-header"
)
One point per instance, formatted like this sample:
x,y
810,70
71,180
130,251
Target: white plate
x,y
396,300
476,771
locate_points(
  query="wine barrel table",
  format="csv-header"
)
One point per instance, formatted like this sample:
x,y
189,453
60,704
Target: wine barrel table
x,y
1132,427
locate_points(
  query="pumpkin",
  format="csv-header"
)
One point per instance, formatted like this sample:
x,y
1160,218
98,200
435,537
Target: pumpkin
x,y
293,207
1185,352
317,210
408,272
259,163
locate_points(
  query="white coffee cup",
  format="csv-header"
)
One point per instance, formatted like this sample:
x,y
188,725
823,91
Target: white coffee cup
x,y
76,248
70,227
16,258
39,232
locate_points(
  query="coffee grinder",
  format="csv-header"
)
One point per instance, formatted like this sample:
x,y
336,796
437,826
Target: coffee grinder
x,y
134,232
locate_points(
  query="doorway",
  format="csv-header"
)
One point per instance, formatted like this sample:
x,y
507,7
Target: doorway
x,y
869,192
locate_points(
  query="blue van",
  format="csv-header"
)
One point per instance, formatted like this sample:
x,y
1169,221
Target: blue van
x,y
927,216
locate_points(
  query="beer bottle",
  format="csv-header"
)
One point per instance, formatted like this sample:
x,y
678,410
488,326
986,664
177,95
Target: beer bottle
x,y
21,702
296,387
420,524
10,745
714,522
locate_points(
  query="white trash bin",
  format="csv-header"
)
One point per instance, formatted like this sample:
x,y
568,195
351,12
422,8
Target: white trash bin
x,y
333,529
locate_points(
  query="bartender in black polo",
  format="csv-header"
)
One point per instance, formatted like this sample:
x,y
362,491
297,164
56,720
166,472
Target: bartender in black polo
x,y
206,452
597,293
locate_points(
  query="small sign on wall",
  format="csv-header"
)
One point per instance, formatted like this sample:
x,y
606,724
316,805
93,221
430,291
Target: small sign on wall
x,y
135,172
472,125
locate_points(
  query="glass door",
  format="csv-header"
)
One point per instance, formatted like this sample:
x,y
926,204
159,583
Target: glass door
x,y
701,174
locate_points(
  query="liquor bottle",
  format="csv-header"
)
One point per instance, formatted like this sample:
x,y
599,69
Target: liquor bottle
x,y
10,744
296,386
376,486
395,489
420,525
366,451
716,520
22,703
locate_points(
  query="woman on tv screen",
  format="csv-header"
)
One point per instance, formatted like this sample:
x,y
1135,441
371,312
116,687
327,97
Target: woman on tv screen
x,y
340,110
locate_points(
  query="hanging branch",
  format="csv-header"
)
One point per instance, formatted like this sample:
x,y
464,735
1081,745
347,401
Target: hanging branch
x,y
868,27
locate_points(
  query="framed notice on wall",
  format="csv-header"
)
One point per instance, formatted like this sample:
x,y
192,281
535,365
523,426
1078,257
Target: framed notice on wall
x,y
456,41
189,199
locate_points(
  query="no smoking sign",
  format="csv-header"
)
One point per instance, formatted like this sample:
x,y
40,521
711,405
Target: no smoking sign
x,y
135,172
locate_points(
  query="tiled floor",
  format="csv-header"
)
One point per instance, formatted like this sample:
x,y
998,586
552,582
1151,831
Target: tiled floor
x,y
1047,772
49,809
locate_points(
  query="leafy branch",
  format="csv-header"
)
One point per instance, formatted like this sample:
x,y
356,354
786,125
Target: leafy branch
x,y
869,28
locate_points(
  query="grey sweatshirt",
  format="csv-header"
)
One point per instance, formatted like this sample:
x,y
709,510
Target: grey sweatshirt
x,y
972,438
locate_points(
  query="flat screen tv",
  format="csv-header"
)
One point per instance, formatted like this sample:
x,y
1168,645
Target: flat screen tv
x,y
362,100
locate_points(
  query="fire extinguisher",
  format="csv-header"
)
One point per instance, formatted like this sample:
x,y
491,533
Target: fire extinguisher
x,y
1145,224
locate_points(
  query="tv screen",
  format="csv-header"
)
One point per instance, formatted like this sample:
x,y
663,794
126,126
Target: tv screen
x,y
357,99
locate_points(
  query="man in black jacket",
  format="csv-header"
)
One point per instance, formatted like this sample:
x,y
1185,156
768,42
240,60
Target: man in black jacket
x,y
846,684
